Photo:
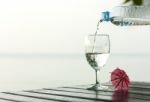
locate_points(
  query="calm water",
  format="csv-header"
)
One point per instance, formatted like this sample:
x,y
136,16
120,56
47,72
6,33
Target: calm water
x,y
30,71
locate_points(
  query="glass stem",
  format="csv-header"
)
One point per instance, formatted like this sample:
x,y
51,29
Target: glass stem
x,y
96,73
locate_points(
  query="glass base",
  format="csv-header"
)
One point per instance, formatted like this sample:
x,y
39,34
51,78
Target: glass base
x,y
97,87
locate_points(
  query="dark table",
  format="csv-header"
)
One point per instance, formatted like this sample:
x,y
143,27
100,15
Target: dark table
x,y
138,92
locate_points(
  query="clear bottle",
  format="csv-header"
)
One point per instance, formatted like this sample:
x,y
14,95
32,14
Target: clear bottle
x,y
128,15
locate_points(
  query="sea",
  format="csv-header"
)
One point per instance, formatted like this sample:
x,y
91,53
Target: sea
x,y
36,71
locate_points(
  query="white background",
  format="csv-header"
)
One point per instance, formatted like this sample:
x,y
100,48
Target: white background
x,y
59,26
42,43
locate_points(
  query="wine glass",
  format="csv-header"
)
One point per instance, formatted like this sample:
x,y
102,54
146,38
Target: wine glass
x,y
97,49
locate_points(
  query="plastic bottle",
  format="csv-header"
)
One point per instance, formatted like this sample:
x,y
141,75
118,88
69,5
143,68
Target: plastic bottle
x,y
128,16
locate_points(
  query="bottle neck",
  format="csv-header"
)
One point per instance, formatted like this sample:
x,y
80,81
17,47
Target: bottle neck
x,y
106,16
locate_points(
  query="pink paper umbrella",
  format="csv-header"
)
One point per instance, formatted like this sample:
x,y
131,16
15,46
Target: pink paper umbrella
x,y
120,79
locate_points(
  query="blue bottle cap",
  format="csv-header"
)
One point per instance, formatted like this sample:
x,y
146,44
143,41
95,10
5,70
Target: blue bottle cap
x,y
106,16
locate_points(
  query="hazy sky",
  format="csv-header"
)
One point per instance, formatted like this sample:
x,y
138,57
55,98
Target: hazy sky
x,y
59,26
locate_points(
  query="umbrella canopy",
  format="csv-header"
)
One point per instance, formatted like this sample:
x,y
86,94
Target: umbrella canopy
x,y
120,79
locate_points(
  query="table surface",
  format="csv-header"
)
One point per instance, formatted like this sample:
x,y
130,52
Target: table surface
x,y
138,92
